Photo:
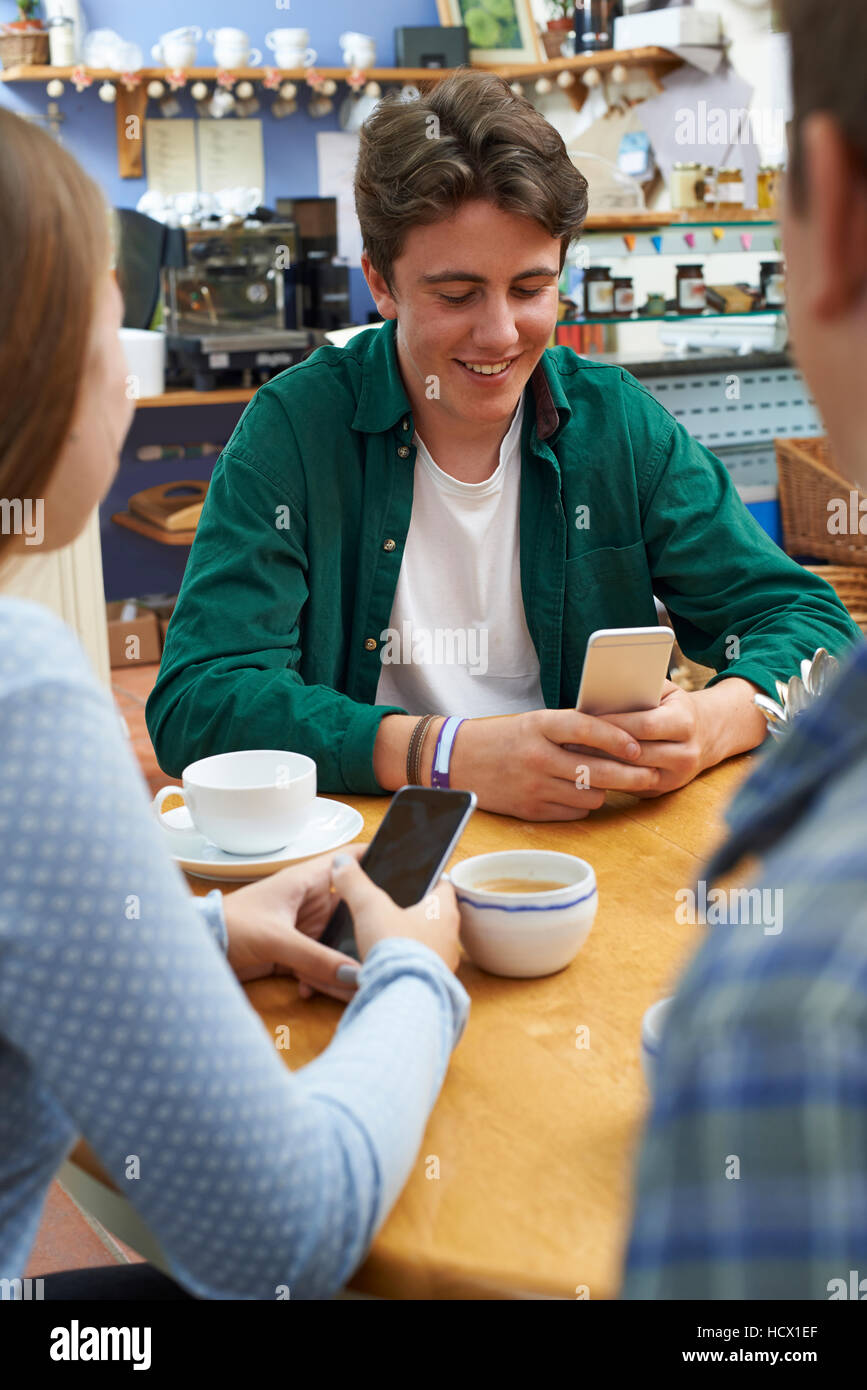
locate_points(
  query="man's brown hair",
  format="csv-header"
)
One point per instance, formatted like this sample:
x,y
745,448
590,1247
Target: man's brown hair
x,y
469,137
829,57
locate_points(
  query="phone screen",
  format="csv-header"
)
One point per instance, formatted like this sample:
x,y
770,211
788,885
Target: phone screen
x,y
406,856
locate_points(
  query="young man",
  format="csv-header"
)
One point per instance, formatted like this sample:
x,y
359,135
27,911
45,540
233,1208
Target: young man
x,y
434,519
753,1179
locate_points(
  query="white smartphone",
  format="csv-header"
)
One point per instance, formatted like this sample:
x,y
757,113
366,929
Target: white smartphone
x,y
624,669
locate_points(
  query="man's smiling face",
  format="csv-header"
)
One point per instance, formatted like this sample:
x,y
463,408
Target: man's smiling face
x,y
473,292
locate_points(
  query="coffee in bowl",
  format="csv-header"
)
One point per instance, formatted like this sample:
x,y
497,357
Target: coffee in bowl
x,y
524,913
520,885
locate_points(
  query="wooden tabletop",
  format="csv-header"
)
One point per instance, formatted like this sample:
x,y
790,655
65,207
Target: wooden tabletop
x,y
533,1137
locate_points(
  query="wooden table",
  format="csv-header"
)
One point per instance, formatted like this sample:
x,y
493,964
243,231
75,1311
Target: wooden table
x,y
535,1137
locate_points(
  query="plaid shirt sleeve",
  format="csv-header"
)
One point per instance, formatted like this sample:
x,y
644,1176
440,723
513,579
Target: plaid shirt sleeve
x,y
752,1182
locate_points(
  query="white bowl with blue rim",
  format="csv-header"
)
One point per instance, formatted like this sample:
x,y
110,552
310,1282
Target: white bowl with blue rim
x,y
652,1027
530,933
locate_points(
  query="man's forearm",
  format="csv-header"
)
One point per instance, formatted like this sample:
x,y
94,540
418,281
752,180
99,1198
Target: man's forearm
x,y
392,744
730,722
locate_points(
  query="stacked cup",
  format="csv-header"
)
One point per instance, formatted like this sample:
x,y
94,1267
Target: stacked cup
x,y
232,49
290,48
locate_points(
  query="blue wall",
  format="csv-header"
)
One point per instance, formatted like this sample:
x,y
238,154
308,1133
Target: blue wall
x,y
132,564
290,144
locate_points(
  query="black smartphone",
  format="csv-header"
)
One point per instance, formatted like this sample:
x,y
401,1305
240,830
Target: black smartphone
x,y
408,852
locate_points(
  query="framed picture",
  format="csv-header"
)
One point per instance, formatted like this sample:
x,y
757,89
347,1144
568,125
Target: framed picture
x,y
500,31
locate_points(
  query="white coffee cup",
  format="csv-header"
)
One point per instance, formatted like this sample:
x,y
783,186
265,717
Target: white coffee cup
x,y
177,48
359,50
290,48
232,48
652,1027
249,802
525,935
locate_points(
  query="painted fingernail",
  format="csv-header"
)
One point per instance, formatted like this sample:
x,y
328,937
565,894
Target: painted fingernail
x,y
340,861
348,974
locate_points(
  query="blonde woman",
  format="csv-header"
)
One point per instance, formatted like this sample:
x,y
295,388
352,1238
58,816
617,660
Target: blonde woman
x,y
137,1034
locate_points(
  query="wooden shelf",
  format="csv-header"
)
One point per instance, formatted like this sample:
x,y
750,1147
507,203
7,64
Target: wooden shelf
x,y
608,58
230,396
134,103
682,217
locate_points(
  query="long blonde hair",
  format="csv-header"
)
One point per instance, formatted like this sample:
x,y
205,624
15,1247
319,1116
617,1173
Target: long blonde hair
x,y
55,248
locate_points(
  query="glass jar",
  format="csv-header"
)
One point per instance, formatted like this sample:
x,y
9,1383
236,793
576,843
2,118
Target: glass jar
x,y
709,186
598,292
769,186
683,185
730,190
773,283
624,295
61,41
691,289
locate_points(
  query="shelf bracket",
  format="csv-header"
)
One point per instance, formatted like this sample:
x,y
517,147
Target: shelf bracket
x,y
130,110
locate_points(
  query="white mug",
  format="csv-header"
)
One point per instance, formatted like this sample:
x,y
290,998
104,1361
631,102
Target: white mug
x,y
295,57
174,52
359,50
250,802
237,57
287,38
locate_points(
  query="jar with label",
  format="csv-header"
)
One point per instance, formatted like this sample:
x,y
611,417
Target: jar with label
x,y
730,190
624,295
773,282
768,186
691,289
709,186
598,292
683,185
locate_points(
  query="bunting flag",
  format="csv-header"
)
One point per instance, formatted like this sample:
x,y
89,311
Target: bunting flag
x,y
689,238
629,239
746,240
656,242
718,233
778,243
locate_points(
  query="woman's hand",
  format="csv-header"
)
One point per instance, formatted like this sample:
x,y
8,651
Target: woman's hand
x,y
273,926
434,921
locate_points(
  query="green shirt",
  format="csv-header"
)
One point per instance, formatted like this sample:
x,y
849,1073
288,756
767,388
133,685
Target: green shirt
x,y
275,641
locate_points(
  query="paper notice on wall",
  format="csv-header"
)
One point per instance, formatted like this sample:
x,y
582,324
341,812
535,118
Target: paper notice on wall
x,y
170,156
337,153
231,155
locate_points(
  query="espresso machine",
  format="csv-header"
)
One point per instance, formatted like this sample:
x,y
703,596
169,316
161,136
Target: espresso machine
x,y
230,308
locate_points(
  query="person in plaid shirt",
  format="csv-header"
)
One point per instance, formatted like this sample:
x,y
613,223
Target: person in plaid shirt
x,y
752,1181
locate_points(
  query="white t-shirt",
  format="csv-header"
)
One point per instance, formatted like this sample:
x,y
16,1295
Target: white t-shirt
x,y
457,641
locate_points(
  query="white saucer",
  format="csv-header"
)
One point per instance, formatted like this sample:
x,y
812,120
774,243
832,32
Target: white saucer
x,y
330,824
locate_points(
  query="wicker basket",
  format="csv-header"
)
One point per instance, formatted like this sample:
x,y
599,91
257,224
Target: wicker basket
x,y
23,46
808,483
849,583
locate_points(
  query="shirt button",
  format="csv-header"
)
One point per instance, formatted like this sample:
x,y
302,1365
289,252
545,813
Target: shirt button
x,y
403,452
370,644
389,545
406,424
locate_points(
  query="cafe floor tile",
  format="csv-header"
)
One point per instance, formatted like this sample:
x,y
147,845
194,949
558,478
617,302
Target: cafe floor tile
x,y
67,1239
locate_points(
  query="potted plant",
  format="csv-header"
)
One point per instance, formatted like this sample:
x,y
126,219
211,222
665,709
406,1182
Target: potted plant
x,y
562,18
24,41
